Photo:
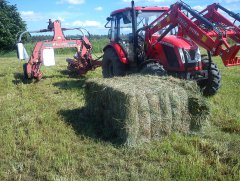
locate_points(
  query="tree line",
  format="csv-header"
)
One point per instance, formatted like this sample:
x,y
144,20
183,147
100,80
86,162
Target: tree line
x,y
37,38
10,24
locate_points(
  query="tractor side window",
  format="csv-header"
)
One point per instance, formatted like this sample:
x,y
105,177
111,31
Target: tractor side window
x,y
115,31
121,26
125,29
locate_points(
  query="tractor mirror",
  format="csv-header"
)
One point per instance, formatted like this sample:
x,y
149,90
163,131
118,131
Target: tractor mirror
x,y
127,17
109,18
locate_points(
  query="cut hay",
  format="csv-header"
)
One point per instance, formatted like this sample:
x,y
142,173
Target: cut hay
x,y
137,109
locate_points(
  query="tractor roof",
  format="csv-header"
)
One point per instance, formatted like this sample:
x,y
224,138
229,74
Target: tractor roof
x,y
149,8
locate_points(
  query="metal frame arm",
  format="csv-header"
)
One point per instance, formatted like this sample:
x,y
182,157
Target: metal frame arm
x,y
230,13
199,29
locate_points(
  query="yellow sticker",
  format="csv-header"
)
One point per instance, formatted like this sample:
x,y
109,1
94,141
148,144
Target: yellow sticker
x,y
204,38
168,19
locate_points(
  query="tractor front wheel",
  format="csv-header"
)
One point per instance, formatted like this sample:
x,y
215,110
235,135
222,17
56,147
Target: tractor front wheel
x,y
211,85
153,69
111,64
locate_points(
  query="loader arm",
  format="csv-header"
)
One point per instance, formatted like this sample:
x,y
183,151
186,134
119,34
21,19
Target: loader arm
x,y
205,33
225,25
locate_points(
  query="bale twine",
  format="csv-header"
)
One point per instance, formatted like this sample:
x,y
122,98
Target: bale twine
x,y
138,109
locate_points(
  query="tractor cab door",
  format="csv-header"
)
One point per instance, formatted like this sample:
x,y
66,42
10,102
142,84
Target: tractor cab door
x,y
121,27
121,32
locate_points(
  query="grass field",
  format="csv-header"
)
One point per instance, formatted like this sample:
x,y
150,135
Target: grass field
x,y
44,134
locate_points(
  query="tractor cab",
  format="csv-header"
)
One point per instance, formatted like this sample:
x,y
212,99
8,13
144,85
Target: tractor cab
x,y
121,21
123,26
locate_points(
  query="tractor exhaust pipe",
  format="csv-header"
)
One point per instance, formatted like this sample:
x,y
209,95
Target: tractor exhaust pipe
x,y
134,30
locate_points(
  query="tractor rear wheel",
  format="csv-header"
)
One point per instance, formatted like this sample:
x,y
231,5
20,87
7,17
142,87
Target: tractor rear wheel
x,y
111,64
211,85
153,69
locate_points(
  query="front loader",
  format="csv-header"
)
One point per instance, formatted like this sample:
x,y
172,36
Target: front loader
x,y
165,41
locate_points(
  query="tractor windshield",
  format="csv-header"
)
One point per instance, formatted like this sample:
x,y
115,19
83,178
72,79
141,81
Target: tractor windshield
x,y
144,18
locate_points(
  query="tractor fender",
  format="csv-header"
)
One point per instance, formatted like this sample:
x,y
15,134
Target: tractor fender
x,y
119,50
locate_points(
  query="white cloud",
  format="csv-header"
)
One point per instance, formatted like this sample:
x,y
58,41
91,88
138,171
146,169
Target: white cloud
x,y
60,18
32,16
99,8
87,23
198,7
27,13
71,2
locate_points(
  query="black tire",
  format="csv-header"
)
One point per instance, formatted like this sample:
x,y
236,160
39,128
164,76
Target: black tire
x,y
211,85
25,75
111,64
153,69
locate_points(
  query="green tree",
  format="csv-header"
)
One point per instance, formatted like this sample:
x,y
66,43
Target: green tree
x,y
10,24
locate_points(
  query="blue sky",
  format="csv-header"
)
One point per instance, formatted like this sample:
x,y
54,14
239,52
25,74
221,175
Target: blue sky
x,y
92,14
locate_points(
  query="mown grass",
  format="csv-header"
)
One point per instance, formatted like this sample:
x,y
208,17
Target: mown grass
x,y
44,134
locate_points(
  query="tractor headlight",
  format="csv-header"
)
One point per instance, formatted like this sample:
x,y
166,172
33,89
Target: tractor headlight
x,y
181,55
198,56
190,56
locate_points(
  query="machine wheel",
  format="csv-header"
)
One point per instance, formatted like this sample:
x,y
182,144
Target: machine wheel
x,y
153,69
25,71
211,85
111,64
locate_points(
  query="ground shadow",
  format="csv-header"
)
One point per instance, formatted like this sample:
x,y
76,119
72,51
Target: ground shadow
x,y
53,76
71,74
81,122
19,78
71,84
77,118
82,125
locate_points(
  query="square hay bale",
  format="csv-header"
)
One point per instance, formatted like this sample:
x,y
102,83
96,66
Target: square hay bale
x,y
137,109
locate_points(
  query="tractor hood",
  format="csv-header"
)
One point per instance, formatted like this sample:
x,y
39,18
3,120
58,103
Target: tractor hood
x,y
180,42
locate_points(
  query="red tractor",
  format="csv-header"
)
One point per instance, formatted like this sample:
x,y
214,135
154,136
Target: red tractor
x,y
165,41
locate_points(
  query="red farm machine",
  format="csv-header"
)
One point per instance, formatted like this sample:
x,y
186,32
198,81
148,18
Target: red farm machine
x,y
83,62
165,41
160,41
